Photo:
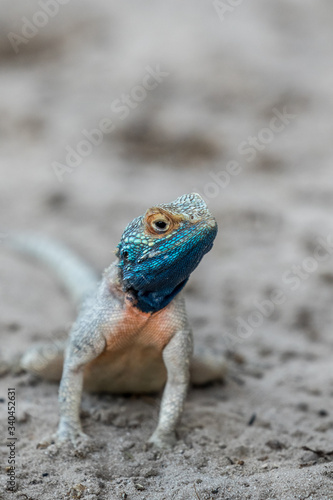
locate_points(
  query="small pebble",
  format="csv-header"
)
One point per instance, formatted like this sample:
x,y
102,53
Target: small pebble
x,y
252,419
139,487
274,444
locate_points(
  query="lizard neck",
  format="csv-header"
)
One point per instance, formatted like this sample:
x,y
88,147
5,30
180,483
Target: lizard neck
x,y
146,301
153,301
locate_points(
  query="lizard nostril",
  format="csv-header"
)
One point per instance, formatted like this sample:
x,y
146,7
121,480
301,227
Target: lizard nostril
x,y
125,255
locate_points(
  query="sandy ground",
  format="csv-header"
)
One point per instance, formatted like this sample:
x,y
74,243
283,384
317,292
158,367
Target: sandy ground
x,y
237,105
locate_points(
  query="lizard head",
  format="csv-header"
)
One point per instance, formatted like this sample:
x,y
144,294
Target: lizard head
x,y
159,250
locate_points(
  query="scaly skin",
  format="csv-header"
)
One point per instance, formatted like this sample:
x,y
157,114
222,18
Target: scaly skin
x,y
132,333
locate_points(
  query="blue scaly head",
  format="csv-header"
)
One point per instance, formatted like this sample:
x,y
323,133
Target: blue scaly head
x,y
158,251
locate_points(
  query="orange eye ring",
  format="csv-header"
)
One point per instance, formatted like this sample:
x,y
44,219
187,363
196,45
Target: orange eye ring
x,y
158,224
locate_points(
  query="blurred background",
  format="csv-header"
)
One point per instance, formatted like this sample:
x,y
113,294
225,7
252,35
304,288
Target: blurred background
x,y
108,108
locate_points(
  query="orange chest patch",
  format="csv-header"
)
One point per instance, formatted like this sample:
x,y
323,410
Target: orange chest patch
x,y
137,329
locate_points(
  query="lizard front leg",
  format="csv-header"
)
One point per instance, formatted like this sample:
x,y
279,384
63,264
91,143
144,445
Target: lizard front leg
x,y
81,350
176,356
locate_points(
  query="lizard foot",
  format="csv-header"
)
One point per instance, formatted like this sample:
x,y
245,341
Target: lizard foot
x,y
67,439
163,440
77,440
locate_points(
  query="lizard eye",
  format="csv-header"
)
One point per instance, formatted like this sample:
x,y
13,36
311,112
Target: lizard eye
x,y
160,225
159,222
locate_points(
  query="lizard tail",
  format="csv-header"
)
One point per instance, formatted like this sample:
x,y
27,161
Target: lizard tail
x,y
78,278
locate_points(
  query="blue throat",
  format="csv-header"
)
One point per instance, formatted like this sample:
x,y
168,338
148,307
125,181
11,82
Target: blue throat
x,y
150,302
156,287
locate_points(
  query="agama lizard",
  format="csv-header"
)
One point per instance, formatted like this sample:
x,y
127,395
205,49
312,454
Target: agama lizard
x,y
132,333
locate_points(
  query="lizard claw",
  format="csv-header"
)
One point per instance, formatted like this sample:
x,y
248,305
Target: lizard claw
x,y
67,437
46,441
75,438
79,446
